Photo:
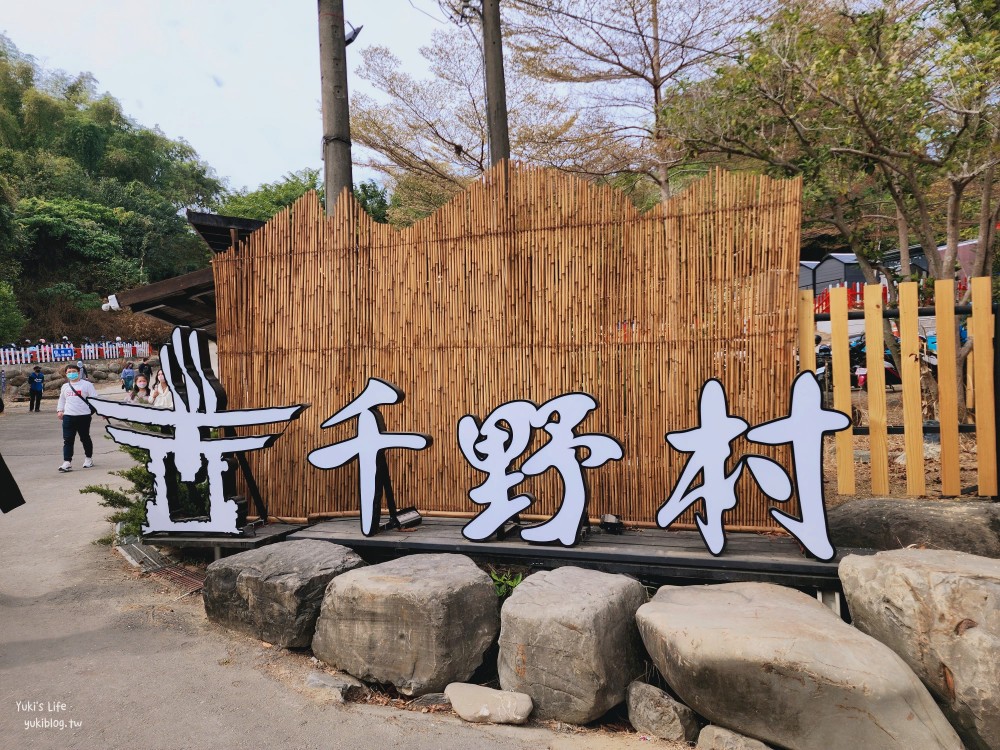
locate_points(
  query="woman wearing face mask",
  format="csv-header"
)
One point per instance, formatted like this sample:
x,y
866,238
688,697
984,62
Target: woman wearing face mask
x,y
162,397
140,393
74,411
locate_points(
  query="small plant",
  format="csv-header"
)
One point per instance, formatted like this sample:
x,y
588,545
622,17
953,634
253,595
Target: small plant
x,y
505,580
129,503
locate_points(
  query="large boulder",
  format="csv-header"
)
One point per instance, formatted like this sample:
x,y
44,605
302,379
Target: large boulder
x,y
274,592
776,665
568,639
940,611
878,523
419,622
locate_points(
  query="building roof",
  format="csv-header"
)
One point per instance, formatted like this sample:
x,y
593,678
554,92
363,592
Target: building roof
x,y
845,258
190,299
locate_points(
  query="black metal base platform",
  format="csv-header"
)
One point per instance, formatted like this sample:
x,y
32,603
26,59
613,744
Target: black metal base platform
x,y
253,538
653,556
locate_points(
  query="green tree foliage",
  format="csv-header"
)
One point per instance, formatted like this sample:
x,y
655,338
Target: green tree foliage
x,y
90,200
11,320
270,198
886,109
374,198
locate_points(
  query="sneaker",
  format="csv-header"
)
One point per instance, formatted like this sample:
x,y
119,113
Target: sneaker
x,y
88,463
66,466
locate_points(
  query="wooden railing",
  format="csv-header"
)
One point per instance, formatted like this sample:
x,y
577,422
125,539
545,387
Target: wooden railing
x,y
49,353
920,376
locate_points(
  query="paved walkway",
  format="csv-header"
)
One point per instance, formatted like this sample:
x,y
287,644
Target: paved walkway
x,y
100,658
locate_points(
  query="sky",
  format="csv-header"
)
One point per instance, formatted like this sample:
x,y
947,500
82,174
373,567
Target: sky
x,y
237,79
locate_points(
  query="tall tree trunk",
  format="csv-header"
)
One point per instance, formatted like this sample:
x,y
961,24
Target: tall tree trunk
x,y
988,217
496,87
335,103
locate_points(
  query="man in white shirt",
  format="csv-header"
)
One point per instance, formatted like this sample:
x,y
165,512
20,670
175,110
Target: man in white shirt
x,y
74,411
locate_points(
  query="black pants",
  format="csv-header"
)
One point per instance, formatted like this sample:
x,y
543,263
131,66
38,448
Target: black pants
x,y
34,400
73,426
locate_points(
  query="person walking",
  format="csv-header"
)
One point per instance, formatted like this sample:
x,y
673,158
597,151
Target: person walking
x,y
128,377
36,386
74,411
146,369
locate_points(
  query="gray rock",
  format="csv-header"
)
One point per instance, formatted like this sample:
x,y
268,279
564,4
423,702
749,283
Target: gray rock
x,y
431,700
882,524
274,592
932,452
774,664
940,611
419,622
568,639
480,704
340,687
717,738
652,711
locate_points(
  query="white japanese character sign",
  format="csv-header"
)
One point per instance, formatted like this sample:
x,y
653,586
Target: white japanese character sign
x,y
495,444
369,448
710,445
198,408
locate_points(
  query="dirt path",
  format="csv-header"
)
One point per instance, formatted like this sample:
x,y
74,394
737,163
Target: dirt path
x,y
85,640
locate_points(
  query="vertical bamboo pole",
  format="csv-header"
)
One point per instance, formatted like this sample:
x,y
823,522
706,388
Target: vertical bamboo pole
x,y
842,389
913,425
877,433
982,331
947,381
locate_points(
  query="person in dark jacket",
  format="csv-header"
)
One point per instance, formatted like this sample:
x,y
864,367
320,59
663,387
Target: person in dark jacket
x,y
146,369
36,385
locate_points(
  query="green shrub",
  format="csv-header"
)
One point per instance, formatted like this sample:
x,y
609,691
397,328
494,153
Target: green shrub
x,y
129,503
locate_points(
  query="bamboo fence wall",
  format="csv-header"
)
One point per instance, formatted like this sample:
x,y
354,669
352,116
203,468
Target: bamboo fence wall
x,y
528,285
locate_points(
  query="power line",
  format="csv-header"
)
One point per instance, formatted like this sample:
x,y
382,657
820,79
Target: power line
x,y
421,10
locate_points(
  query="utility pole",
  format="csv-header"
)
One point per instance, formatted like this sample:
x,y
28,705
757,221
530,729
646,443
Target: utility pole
x,y
335,104
496,89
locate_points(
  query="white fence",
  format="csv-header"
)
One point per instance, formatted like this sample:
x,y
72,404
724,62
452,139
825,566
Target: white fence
x,y
49,353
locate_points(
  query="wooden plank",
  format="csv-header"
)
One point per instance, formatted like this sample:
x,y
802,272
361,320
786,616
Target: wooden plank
x,y
747,556
877,424
947,382
807,331
842,388
986,439
267,534
913,418
190,283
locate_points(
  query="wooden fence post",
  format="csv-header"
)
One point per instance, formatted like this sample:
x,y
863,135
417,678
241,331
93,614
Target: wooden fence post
x,y
842,388
913,418
982,332
947,380
878,444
